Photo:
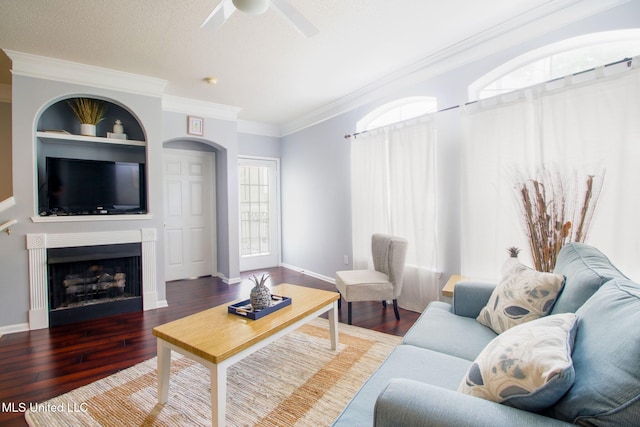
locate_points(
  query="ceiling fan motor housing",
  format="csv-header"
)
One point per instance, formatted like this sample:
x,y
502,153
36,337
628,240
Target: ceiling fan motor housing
x,y
252,7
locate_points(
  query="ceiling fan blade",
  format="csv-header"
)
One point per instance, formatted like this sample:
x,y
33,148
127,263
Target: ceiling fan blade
x,y
219,16
294,17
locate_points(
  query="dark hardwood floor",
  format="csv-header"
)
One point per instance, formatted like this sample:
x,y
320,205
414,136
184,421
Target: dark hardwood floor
x,y
38,365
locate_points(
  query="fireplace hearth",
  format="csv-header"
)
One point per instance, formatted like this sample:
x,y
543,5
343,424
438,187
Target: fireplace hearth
x,y
91,282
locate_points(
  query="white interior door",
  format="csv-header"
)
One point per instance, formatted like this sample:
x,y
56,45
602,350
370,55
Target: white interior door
x,y
189,189
259,214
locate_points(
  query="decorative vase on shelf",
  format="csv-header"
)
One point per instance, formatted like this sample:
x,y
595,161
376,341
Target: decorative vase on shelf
x,y
260,296
118,128
87,129
89,112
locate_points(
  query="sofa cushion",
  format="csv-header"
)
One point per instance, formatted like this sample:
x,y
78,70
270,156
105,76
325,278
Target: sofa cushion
x,y
528,367
606,358
522,295
585,269
439,329
405,361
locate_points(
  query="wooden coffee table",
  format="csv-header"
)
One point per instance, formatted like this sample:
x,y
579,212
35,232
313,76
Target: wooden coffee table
x,y
217,339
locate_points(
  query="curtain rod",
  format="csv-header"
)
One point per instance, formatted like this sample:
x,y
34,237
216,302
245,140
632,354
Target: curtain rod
x,y
577,73
355,134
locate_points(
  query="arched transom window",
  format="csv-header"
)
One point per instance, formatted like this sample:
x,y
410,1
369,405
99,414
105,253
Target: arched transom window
x,y
557,60
397,111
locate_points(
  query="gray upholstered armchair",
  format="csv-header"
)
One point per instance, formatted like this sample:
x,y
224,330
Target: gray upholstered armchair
x,y
382,284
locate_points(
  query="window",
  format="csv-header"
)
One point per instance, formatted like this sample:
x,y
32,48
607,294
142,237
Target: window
x,y
557,60
397,111
254,210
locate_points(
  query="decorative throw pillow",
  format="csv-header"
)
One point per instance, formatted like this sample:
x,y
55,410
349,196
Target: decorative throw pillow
x,y
522,295
527,367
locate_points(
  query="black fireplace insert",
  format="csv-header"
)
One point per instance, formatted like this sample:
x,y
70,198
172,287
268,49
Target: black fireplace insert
x,y
91,282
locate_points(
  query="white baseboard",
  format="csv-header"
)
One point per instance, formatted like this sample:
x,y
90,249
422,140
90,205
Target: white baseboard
x,y
162,304
308,273
10,329
227,280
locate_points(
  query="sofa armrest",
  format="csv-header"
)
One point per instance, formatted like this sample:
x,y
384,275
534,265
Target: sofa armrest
x,y
414,404
470,297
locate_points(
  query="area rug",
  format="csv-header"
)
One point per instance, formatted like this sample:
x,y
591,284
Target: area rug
x,y
295,381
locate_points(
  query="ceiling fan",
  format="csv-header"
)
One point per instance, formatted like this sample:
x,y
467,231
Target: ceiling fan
x,y
225,8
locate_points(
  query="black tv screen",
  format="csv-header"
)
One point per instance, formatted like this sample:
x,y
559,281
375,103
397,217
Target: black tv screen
x,y
90,187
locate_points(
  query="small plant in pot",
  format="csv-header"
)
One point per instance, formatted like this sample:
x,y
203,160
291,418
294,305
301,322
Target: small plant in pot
x,y
89,112
260,296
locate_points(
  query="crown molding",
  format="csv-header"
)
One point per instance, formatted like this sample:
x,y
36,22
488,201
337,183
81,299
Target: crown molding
x,y
190,106
530,24
5,93
29,65
258,128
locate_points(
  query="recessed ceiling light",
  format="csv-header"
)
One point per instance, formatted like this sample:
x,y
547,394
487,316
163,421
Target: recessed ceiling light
x,y
211,80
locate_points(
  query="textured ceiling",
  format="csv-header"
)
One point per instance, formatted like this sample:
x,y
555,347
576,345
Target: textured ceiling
x,y
263,65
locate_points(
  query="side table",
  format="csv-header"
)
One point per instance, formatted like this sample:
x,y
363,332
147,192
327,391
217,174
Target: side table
x,y
449,287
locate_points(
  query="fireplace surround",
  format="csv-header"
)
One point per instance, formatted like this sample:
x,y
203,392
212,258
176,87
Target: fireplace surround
x,y
38,244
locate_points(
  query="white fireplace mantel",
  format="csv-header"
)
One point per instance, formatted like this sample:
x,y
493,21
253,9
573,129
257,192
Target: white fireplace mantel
x,y
37,245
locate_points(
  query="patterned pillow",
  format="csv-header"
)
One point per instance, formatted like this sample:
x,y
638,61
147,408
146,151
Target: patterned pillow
x,y
522,295
528,367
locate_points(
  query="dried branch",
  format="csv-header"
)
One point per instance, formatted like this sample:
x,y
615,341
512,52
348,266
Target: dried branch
x,y
549,213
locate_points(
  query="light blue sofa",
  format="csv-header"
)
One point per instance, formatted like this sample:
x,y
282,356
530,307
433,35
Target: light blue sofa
x,y
417,383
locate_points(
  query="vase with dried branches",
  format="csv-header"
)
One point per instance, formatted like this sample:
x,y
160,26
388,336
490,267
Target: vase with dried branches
x,y
89,112
556,211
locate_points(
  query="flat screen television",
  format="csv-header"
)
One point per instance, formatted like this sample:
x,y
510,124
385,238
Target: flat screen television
x,y
94,187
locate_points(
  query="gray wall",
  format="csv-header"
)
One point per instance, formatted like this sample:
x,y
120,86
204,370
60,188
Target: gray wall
x,y
30,97
316,211
316,171
258,145
6,184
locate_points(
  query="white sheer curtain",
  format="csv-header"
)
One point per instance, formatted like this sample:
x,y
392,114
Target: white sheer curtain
x,y
580,127
393,190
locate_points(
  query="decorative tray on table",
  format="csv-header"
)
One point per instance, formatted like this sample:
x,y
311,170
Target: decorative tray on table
x,y
243,308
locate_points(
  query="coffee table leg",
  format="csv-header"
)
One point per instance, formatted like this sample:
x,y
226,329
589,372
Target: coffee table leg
x,y
164,360
218,394
333,325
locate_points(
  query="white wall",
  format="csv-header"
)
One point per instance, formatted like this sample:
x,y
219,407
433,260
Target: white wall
x,y
315,161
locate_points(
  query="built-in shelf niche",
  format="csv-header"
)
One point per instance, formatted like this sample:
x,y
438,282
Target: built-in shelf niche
x,y
58,136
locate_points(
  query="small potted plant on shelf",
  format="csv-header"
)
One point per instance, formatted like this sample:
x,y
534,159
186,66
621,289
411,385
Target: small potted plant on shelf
x,y
89,112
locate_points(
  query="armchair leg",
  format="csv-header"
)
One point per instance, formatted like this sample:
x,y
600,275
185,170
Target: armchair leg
x,y
384,303
349,312
395,309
